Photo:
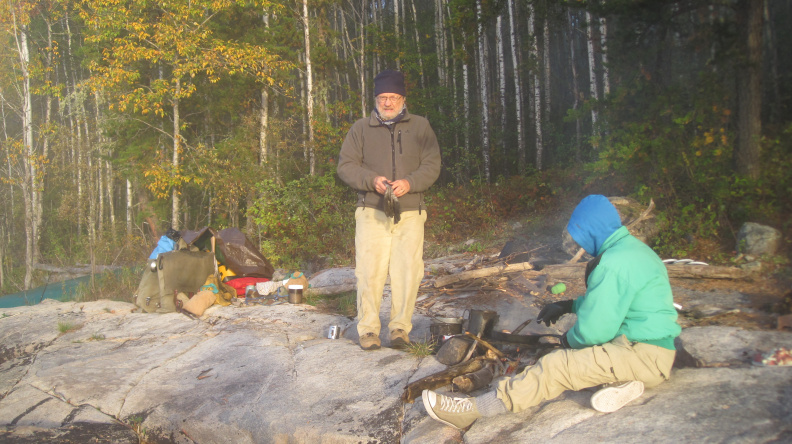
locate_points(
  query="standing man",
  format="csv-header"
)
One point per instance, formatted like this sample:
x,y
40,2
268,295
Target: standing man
x,y
623,337
391,158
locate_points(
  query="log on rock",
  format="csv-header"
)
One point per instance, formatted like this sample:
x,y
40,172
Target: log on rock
x,y
578,271
442,378
442,281
330,289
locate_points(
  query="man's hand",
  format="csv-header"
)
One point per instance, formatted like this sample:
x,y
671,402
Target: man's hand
x,y
380,183
400,187
551,312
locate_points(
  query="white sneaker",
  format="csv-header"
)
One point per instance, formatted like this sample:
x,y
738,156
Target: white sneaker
x,y
616,396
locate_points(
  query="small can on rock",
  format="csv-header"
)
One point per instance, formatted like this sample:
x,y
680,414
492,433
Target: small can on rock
x,y
334,332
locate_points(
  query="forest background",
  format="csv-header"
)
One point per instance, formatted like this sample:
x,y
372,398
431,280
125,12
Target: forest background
x,y
122,118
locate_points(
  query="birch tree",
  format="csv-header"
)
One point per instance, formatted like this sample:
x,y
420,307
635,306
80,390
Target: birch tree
x,y
309,99
537,87
593,90
515,50
484,90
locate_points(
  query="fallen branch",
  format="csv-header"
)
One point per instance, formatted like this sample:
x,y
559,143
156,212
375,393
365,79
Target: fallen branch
x,y
577,271
442,281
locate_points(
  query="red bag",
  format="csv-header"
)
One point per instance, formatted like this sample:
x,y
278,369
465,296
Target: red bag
x,y
239,284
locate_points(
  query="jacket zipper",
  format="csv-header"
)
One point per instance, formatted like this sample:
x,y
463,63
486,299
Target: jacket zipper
x,y
393,151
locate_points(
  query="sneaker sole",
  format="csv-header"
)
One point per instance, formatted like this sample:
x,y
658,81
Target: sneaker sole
x,y
428,407
610,399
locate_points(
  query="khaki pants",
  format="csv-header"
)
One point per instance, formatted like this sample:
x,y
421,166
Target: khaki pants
x,y
382,248
567,369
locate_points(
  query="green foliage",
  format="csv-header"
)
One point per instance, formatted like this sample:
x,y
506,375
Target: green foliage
x,y
458,211
116,285
342,303
678,151
421,349
310,219
66,327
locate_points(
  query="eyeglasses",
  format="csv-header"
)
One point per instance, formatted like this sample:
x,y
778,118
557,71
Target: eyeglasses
x,y
391,99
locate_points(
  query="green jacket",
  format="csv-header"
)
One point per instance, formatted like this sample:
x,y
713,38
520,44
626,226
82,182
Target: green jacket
x,y
628,294
406,150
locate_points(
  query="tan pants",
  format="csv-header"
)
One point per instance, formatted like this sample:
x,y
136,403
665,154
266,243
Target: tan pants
x,y
615,361
382,248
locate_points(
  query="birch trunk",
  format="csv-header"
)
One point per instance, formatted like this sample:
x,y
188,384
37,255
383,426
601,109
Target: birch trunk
x,y
175,161
537,89
546,60
603,28
263,126
484,87
418,44
128,207
592,70
575,89
499,45
515,50
309,89
439,43
29,182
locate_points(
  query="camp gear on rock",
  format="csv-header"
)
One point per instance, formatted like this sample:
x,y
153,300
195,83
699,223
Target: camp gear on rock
x,y
164,245
441,327
199,302
334,332
459,413
268,287
399,339
295,294
297,278
481,322
233,250
615,396
551,312
177,271
226,273
239,284
454,350
560,370
369,341
224,292
558,288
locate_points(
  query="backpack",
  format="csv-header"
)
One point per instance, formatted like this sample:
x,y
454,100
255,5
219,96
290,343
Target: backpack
x,y
170,273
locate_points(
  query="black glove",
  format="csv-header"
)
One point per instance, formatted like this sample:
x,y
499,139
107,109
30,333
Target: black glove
x,y
551,312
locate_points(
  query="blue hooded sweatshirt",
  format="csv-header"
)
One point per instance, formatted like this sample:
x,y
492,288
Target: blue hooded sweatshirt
x,y
628,292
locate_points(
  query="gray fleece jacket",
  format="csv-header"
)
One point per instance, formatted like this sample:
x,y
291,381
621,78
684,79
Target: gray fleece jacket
x,y
408,149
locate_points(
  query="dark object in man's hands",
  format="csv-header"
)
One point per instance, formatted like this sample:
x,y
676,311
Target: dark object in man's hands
x,y
392,206
551,312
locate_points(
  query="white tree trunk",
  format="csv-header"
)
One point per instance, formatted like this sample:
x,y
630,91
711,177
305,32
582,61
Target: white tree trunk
x,y
499,45
418,43
604,52
484,87
263,127
440,43
515,50
175,161
128,207
592,70
537,89
575,89
546,60
309,89
29,182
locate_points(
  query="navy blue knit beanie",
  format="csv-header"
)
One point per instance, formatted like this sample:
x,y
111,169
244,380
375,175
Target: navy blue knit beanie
x,y
389,81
